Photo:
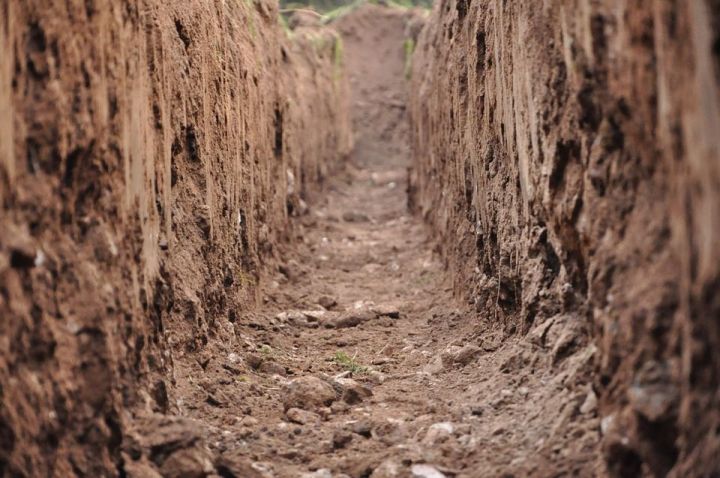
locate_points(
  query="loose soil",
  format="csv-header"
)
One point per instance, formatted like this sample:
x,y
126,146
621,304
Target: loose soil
x,y
362,294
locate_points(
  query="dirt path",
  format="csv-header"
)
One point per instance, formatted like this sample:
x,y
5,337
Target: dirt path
x,y
361,362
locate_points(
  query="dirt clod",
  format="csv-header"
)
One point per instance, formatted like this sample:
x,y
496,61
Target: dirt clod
x,y
307,393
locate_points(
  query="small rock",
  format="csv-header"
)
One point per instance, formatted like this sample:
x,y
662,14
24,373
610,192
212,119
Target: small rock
x,y
249,421
235,464
289,453
307,393
435,366
438,432
386,310
476,410
448,355
354,216
590,403
390,432
303,417
350,319
188,463
272,368
339,407
292,316
139,469
362,428
351,391
376,377
389,468
341,438
466,354
425,471
314,315
321,473
655,401
327,302
254,361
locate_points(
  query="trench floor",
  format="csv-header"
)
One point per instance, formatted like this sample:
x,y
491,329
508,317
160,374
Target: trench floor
x,y
434,388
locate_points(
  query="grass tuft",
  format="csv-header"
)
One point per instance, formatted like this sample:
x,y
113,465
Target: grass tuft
x,y
409,47
349,363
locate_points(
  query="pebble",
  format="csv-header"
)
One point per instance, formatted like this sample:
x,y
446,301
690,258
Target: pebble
x,y
389,468
351,391
350,319
590,403
376,377
363,428
307,393
272,368
354,216
341,438
254,361
327,302
386,310
292,316
425,471
466,354
321,473
435,366
438,432
188,462
303,417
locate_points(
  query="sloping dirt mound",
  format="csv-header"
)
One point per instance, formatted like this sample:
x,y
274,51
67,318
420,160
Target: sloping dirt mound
x,y
567,155
150,155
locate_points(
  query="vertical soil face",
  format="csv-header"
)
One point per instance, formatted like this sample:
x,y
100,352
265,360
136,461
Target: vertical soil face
x,y
568,157
150,155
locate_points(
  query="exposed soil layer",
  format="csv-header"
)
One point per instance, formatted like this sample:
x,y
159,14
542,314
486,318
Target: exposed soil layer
x,y
567,155
150,154
201,276
360,362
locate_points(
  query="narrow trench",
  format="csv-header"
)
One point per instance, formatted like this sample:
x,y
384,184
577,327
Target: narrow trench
x,y
508,271
363,364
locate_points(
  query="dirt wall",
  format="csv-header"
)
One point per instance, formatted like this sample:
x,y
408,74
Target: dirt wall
x,y
567,153
150,155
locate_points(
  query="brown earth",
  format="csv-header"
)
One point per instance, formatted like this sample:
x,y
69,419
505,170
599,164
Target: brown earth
x,y
151,154
363,296
567,155
200,277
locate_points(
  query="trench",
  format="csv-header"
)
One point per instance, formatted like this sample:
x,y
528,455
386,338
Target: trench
x,y
362,307
476,241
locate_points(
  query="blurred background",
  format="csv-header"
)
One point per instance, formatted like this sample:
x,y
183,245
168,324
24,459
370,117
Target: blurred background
x,y
328,6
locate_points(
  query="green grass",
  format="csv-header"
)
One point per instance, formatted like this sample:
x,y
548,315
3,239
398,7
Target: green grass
x,y
338,12
409,47
285,27
349,363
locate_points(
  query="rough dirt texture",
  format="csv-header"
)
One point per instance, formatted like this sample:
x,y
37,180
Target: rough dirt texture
x,y
150,153
567,154
361,363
